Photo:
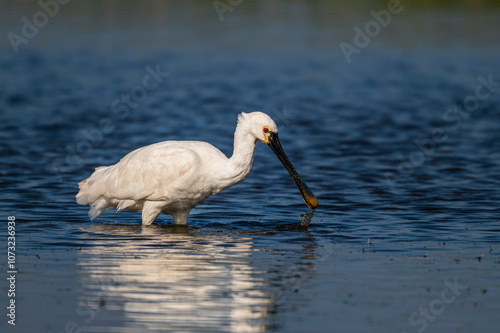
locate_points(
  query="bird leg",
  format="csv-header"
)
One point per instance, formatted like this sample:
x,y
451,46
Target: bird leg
x,y
150,211
180,217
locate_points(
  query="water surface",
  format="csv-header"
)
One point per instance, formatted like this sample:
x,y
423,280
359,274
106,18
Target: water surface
x,y
407,173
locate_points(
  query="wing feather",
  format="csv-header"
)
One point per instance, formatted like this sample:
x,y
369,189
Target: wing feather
x,y
156,172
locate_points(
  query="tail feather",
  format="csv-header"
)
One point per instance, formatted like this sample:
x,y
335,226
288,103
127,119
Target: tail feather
x,y
97,207
91,193
82,196
124,204
92,188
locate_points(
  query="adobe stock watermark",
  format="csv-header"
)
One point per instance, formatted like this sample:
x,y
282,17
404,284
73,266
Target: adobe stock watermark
x,y
455,115
120,107
29,30
282,118
428,314
92,307
223,6
292,279
372,29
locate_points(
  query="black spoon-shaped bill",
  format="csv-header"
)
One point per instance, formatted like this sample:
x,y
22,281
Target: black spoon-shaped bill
x,y
307,194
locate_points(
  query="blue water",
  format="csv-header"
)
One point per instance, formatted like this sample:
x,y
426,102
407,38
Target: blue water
x,y
401,147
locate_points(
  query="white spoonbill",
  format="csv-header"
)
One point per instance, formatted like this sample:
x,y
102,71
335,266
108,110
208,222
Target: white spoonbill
x,y
172,177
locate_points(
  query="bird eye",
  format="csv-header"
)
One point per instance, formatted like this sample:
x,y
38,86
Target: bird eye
x,y
266,130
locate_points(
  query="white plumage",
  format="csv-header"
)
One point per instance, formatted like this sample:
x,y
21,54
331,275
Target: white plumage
x,y
173,177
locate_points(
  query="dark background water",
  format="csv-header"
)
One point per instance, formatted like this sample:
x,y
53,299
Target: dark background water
x,y
400,145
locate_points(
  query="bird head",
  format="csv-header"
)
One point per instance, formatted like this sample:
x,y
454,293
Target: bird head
x,y
264,129
260,125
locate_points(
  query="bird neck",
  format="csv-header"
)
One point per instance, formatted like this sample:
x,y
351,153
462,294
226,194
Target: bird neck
x,y
242,159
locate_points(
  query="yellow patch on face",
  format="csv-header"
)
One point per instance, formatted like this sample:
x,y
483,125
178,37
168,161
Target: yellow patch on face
x,y
267,132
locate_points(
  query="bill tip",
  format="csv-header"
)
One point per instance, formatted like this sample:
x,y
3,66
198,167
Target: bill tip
x,y
312,202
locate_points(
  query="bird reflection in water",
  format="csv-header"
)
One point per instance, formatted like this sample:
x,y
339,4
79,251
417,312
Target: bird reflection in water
x,y
169,278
